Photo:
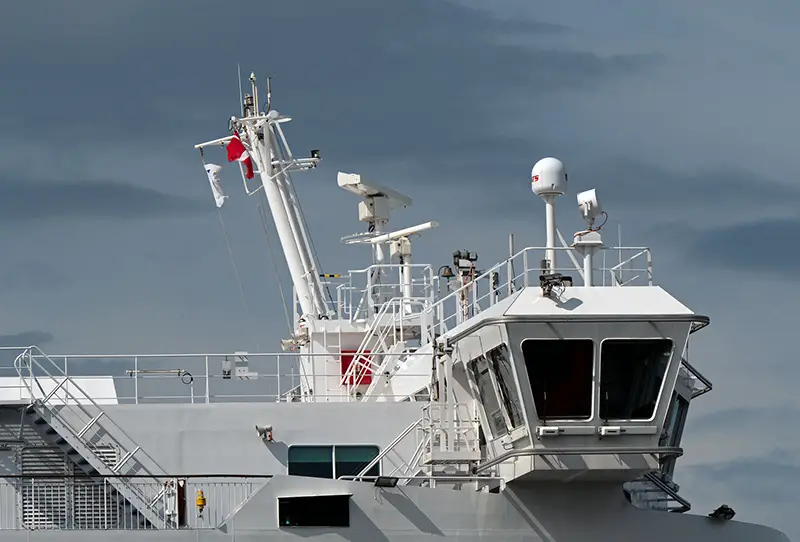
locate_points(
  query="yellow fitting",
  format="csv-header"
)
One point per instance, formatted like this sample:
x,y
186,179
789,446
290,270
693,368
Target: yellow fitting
x,y
200,501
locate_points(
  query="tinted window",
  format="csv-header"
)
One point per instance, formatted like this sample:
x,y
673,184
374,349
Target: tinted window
x,y
314,461
332,461
561,377
631,373
506,385
350,460
479,370
317,511
676,418
673,428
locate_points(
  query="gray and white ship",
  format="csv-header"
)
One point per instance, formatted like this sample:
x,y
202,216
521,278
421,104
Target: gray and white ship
x,y
541,399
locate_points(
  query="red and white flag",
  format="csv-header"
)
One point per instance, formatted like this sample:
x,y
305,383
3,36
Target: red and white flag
x,y
237,152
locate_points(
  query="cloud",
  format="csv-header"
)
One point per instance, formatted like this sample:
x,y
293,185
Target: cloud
x,y
26,338
32,274
26,201
396,70
771,478
759,246
759,488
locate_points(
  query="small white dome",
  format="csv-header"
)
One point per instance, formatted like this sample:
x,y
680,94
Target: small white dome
x,y
549,177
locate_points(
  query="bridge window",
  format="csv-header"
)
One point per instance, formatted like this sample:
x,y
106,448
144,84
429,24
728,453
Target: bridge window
x,y
332,461
494,379
480,371
506,384
676,418
561,373
673,429
631,373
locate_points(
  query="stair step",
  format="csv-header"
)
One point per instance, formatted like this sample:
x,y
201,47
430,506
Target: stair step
x,y
437,457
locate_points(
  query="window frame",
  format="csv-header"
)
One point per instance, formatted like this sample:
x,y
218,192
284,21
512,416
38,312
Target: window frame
x,y
333,455
674,439
660,397
511,387
495,390
595,383
511,431
680,406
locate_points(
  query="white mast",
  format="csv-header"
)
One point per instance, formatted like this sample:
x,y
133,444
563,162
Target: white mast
x,y
299,230
262,134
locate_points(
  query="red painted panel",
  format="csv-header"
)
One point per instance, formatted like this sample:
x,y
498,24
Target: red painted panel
x,y
364,373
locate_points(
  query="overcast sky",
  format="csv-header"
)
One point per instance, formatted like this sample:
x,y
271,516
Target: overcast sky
x,y
682,114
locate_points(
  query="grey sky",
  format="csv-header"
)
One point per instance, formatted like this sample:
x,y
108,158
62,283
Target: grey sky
x,y
682,114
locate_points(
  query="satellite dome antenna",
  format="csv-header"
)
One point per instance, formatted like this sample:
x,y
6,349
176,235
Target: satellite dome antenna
x,y
548,181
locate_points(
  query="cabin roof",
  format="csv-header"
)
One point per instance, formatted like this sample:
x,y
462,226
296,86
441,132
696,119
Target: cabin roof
x,y
579,301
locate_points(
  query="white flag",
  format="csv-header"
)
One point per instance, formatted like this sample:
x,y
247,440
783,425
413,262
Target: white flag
x,y
213,171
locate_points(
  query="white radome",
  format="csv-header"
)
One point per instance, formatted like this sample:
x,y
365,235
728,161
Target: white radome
x,y
549,177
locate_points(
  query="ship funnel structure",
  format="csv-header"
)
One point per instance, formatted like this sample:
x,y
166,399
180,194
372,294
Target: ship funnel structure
x,y
548,181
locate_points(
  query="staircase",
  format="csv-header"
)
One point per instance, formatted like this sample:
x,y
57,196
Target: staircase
x,y
67,417
390,327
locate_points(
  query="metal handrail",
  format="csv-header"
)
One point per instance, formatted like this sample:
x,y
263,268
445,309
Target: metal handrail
x,y
699,376
685,505
389,448
666,451
80,406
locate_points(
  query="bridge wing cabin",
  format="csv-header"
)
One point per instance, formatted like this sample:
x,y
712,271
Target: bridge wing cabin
x,y
577,384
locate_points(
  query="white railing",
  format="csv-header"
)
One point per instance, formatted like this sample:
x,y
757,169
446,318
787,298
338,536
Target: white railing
x,y
199,377
160,378
361,292
75,503
450,427
368,289
523,269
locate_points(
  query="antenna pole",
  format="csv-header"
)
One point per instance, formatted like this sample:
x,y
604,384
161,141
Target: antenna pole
x,y
550,220
241,96
269,93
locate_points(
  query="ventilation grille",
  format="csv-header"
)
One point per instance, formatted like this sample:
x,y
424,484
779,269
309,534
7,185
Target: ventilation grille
x,y
58,495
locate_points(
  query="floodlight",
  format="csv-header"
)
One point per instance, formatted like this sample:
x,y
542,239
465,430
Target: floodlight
x,y
589,205
386,481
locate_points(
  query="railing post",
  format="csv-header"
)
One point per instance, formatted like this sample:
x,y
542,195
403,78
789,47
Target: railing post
x,y
278,370
525,268
208,383
136,379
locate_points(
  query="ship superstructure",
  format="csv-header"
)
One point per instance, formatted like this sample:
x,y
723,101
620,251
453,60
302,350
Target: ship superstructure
x,y
542,398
